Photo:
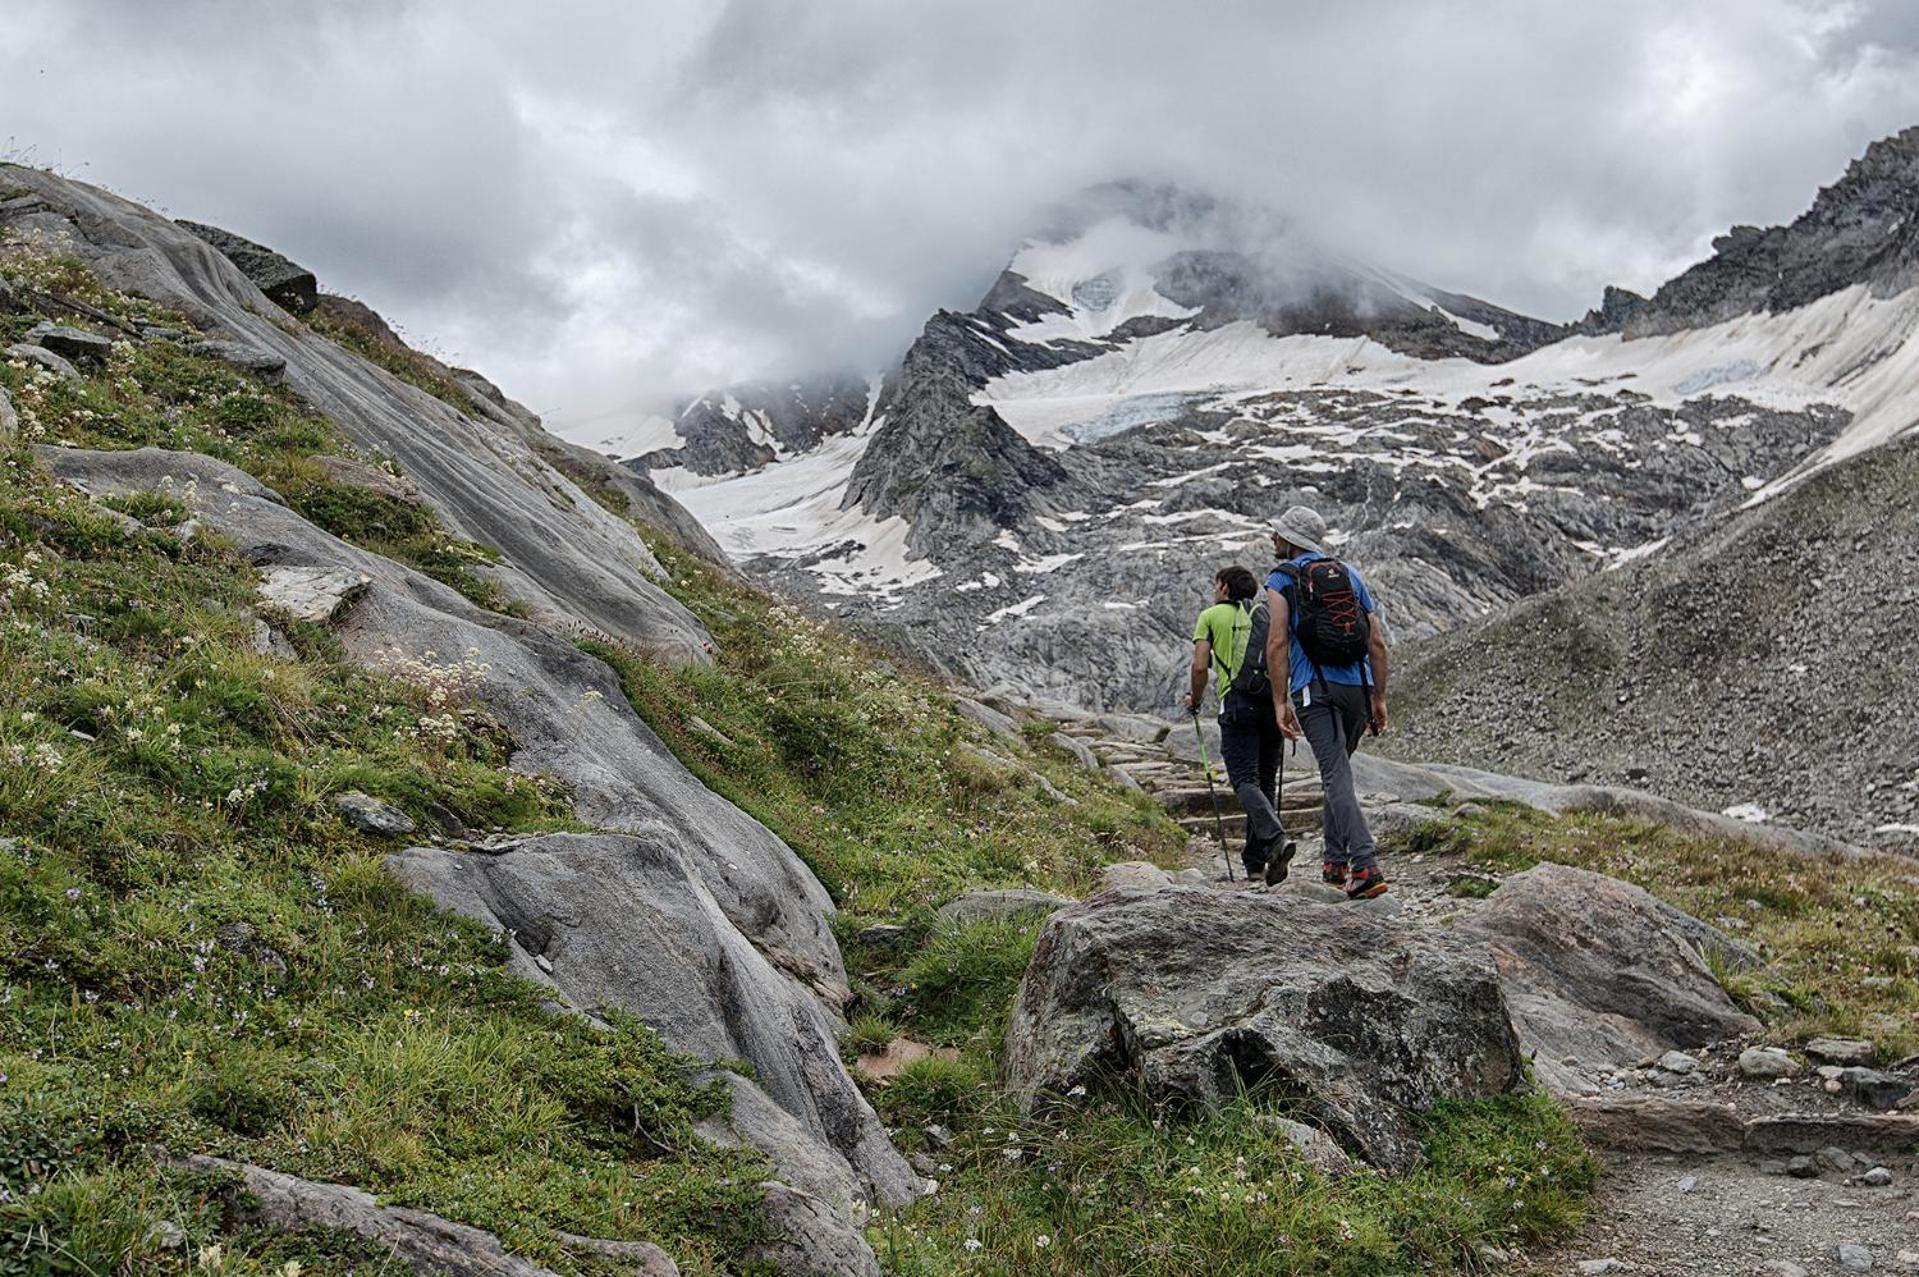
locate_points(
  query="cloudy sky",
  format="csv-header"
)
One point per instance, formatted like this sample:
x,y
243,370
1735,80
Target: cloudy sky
x,y
602,203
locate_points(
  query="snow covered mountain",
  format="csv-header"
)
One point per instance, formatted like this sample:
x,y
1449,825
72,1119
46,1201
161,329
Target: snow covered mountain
x,y
1039,494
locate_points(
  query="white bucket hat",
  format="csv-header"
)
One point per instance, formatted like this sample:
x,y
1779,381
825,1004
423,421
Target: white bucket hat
x,y
1303,527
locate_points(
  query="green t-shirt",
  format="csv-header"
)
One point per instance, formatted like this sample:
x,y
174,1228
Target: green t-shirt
x,y
1227,626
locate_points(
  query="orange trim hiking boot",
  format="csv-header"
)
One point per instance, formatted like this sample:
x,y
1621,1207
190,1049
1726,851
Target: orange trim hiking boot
x,y
1365,884
1333,873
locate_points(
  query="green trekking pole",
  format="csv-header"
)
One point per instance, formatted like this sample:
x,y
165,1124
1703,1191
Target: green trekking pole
x,y
1219,821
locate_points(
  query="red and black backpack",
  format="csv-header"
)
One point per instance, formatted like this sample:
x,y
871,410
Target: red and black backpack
x,y
1332,626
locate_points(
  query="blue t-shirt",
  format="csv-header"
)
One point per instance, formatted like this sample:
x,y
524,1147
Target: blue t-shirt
x,y
1356,674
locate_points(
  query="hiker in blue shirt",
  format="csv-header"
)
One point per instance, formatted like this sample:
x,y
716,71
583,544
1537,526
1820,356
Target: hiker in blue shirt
x,y
1324,631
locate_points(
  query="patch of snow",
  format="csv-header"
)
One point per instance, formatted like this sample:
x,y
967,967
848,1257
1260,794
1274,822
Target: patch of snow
x,y
1471,327
1046,563
791,510
648,434
1752,813
1637,552
1007,541
1020,608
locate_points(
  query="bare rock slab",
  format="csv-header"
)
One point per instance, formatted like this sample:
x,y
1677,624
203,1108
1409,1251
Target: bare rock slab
x,y
619,921
1195,993
1010,902
312,593
424,1242
1603,972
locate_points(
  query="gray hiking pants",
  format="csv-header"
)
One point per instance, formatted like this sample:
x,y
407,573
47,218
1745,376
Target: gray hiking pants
x,y
1334,720
1251,754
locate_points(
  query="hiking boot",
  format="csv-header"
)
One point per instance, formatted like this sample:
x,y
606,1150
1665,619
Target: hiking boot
x,y
1333,873
1281,861
1365,884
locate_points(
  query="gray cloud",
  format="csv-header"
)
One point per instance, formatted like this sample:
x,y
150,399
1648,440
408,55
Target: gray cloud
x,y
602,204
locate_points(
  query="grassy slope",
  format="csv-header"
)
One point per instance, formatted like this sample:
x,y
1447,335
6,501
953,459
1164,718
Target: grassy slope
x,y
160,780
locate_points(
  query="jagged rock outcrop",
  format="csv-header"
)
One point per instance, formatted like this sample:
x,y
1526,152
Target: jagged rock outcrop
x,y
286,282
573,563
1194,993
759,974
955,470
1859,230
1599,974
1696,673
745,426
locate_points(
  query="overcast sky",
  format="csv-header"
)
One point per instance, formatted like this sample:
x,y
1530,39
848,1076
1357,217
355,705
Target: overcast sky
x,y
601,203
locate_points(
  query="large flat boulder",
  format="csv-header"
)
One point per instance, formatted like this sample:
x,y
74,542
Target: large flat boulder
x,y
1194,993
1603,973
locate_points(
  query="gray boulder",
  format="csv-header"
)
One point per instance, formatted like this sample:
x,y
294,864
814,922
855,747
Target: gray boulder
x,y
1195,993
286,283
805,1238
1082,752
986,716
371,816
318,594
75,344
1603,972
44,358
423,1242
979,906
240,355
9,419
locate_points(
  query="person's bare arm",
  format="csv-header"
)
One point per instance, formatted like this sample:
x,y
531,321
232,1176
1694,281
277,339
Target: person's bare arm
x,y
1376,650
1279,662
1202,667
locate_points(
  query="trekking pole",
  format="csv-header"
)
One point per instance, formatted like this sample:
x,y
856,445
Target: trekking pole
x,y
1219,821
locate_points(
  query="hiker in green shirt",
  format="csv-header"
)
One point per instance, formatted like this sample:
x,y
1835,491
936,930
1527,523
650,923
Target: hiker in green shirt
x,y
1231,638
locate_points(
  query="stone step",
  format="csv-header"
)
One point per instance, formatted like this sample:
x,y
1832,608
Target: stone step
x,y
1292,821
1197,800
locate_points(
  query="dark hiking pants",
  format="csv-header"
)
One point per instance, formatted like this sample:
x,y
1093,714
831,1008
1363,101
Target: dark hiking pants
x,y
1334,721
1251,754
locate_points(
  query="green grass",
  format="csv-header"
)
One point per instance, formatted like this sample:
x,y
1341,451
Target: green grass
x,y
163,780
858,763
1826,925
1122,1188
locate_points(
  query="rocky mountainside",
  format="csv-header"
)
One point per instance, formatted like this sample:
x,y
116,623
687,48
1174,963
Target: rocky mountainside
x,y
1859,232
1041,492
1763,664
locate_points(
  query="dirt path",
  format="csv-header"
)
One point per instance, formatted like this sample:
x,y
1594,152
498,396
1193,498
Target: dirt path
x,y
1660,1210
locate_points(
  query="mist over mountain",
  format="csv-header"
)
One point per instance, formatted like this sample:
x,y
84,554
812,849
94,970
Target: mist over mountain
x,y
613,209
